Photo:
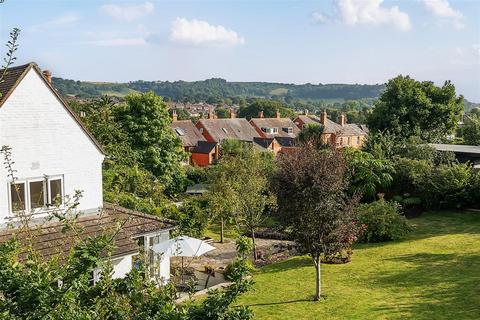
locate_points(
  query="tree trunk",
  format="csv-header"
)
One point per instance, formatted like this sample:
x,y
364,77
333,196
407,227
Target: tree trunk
x,y
318,279
221,230
254,246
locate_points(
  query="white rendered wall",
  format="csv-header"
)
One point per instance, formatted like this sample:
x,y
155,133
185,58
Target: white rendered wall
x,y
46,140
122,266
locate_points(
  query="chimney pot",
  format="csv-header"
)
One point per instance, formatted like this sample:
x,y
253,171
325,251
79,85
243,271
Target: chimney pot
x,y
48,75
323,117
174,115
341,119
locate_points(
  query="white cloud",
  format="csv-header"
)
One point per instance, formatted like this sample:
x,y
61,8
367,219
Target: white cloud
x,y
118,42
201,33
128,12
321,18
442,9
371,12
62,21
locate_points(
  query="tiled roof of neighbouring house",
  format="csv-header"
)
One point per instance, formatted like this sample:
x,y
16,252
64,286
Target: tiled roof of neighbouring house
x,y
187,132
282,124
349,129
51,240
237,129
205,147
15,75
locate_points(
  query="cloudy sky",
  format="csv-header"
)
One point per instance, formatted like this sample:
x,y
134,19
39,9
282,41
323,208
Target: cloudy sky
x,y
323,41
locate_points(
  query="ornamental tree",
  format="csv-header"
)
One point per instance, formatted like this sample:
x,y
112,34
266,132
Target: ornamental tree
x,y
312,200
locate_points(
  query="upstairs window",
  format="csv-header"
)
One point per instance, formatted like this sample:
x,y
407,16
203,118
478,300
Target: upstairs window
x,y
275,130
18,196
37,194
56,191
288,129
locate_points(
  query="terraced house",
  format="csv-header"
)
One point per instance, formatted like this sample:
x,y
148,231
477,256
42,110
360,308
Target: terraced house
x,y
52,156
340,134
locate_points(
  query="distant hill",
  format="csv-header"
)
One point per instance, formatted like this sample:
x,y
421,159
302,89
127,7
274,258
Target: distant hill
x,y
215,89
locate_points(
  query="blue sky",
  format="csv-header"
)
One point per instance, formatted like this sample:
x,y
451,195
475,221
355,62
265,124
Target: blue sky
x,y
329,41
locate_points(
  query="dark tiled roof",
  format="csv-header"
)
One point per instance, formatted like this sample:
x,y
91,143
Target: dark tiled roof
x,y
12,77
281,123
50,239
285,141
263,142
191,136
205,147
15,75
237,129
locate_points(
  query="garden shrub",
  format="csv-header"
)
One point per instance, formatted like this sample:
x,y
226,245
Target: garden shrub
x,y
192,217
382,221
445,185
244,264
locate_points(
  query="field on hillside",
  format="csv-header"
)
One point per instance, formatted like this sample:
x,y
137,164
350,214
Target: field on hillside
x,y
433,274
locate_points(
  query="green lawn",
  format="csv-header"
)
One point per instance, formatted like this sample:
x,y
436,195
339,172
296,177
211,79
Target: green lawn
x,y
433,274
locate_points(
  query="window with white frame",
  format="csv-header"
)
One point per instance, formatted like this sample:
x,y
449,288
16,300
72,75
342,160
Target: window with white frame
x,y
35,194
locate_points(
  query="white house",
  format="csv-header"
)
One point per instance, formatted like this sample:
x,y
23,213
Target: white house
x,y
54,155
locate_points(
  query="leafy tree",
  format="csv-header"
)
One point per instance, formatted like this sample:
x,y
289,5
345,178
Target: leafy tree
x,y
411,108
144,117
182,114
222,113
240,189
471,131
268,107
312,201
192,217
366,173
312,133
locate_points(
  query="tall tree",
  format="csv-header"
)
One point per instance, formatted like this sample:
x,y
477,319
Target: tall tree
x,y
144,117
268,107
471,130
240,189
412,108
312,200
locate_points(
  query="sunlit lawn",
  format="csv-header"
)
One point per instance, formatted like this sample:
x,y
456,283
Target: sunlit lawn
x,y
434,274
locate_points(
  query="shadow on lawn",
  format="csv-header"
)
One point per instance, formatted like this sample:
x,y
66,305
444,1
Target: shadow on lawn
x,y
445,286
292,263
279,303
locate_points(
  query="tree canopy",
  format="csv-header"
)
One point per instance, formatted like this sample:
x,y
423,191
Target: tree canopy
x,y
412,108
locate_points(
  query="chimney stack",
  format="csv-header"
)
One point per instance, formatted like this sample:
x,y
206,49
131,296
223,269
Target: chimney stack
x,y
174,115
260,114
306,112
323,118
341,119
277,114
48,75
210,114
232,114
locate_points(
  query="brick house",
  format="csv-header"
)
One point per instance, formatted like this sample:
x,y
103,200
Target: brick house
x,y
339,134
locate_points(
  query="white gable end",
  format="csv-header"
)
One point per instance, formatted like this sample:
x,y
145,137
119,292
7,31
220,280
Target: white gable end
x,y
47,141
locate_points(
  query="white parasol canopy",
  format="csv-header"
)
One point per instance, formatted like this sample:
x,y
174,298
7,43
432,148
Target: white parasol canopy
x,y
183,246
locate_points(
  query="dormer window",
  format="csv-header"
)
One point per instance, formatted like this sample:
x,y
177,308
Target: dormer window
x,y
179,131
288,129
275,130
